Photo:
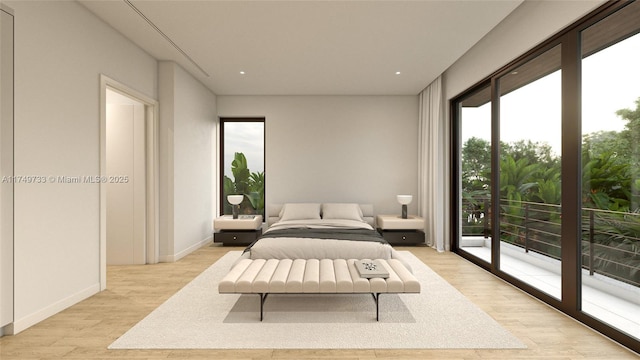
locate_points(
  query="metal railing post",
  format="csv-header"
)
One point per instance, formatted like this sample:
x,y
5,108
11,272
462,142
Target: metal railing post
x,y
591,238
485,222
526,227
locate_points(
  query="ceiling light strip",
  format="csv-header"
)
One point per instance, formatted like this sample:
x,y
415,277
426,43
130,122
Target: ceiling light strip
x,y
165,36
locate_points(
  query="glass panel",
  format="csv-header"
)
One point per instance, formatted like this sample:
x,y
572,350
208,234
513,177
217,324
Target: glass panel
x,y
243,168
530,136
611,170
475,174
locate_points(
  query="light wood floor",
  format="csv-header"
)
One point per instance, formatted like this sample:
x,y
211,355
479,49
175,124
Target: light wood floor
x,y
85,330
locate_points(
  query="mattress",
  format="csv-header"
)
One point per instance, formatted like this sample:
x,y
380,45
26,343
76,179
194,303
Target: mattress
x,y
321,239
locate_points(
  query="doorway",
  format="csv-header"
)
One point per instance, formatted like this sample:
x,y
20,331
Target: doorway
x,y
128,177
125,180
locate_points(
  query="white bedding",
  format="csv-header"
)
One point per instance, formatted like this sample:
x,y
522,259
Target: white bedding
x,y
312,248
319,224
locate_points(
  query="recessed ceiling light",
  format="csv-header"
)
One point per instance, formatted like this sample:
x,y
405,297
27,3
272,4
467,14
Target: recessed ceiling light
x,y
242,73
398,73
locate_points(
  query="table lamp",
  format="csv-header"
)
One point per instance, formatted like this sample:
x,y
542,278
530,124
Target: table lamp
x,y
235,201
404,200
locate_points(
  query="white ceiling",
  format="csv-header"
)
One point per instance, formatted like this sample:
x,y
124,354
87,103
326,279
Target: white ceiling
x,y
307,47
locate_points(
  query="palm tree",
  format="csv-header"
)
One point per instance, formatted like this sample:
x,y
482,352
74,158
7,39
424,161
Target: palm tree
x,y
246,183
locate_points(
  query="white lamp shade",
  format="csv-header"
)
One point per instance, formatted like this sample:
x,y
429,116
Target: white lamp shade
x,y
405,199
235,199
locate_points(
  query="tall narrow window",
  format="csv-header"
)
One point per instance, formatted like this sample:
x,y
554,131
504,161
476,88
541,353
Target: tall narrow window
x,y
242,149
611,170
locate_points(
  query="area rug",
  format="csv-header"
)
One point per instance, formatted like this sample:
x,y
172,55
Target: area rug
x,y
198,317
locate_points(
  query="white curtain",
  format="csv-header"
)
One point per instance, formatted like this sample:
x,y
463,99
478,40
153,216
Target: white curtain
x,y
433,169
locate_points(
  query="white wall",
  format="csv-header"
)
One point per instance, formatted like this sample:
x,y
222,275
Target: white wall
x,y
187,133
336,148
60,51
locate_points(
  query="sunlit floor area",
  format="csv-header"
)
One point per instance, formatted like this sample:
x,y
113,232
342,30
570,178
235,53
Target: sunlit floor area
x,y
606,299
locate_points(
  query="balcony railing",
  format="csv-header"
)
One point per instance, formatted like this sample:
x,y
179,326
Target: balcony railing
x,y
610,239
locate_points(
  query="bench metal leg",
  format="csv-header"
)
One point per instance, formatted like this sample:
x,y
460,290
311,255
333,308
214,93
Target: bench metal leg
x,y
376,298
263,297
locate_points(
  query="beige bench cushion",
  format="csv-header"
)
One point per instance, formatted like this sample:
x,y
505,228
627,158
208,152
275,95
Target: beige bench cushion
x,y
314,276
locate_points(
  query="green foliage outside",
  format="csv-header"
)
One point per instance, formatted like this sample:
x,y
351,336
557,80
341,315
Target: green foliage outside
x,y
530,193
247,183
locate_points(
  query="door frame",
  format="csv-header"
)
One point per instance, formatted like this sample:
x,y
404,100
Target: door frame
x,y
7,116
152,238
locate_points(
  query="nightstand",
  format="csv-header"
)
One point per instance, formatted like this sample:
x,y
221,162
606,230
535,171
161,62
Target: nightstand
x,y
399,231
241,231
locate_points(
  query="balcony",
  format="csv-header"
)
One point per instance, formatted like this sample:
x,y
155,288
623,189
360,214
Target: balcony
x,y
530,251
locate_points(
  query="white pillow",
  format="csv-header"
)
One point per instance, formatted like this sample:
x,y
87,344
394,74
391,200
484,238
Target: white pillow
x,y
342,211
300,211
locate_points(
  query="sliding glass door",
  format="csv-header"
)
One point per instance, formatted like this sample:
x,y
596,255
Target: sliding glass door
x,y
530,180
611,170
557,211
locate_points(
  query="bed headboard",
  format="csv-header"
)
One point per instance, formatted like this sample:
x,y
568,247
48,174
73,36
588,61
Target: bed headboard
x,y
273,214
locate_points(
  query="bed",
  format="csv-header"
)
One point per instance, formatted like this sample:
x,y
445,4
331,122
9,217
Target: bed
x,y
321,231
313,248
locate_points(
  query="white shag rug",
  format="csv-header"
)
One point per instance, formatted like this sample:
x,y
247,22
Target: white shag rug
x,y
198,317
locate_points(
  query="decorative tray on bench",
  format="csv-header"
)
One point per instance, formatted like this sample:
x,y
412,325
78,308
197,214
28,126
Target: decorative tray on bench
x,y
371,269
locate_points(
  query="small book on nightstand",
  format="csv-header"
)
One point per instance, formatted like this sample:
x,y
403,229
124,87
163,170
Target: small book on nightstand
x,y
371,269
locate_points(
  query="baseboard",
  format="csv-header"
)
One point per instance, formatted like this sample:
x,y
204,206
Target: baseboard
x,y
187,251
32,319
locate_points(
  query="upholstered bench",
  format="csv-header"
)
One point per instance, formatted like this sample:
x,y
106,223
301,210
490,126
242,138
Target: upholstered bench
x,y
313,276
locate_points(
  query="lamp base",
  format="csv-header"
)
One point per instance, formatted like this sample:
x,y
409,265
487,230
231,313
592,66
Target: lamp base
x,y
235,209
404,211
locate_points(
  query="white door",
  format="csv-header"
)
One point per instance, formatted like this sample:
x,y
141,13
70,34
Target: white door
x,y
125,181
